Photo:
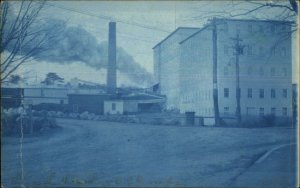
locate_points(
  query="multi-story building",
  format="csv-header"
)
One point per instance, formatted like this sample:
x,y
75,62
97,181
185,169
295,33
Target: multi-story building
x,y
264,69
166,64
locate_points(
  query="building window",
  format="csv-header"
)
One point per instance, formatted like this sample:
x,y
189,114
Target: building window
x,y
261,29
261,51
226,110
273,93
238,92
226,49
283,28
113,106
225,27
249,94
261,111
226,71
273,51
284,111
284,72
61,101
283,52
272,71
273,111
226,92
272,28
75,107
249,50
42,93
261,93
250,29
261,71
250,70
250,111
284,93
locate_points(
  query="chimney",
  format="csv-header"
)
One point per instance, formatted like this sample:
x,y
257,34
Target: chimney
x,y
111,79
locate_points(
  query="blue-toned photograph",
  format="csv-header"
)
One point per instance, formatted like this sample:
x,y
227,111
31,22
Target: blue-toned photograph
x,y
149,93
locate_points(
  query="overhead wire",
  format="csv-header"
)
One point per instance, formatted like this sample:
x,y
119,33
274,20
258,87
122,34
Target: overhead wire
x,y
110,18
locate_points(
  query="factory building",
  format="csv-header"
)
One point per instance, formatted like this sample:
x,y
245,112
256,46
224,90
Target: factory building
x,y
134,103
166,64
37,96
114,100
265,69
11,97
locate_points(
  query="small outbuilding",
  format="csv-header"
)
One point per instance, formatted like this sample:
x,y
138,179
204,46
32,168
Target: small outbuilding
x,y
92,103
134,103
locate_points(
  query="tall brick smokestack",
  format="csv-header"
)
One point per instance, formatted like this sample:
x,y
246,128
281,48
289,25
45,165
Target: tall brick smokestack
x,y
111,79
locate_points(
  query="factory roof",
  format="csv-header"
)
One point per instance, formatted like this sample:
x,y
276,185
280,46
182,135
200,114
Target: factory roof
x,y
179,28
137,96
203,28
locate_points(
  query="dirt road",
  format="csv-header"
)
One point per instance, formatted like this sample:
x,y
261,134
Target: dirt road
x,y
94,153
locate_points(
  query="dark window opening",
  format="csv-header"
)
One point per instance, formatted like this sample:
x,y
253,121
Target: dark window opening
x,y
226,92
113,106
261,93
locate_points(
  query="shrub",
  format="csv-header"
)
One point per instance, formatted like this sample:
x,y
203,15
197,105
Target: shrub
x,y
84,115
74,115
91,116
15,120
59,114
51,114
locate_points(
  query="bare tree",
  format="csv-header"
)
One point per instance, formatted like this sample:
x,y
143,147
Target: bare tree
x,y
21,36
275,9
280,10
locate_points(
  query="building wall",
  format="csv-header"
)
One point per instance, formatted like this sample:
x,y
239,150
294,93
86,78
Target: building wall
x,y
166,65
113,107
130,106
45,95
40,100
265,64
11,97
196,84
90,103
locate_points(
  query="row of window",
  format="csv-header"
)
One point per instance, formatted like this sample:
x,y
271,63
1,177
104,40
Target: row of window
x,y
261,93
261,28
262,51
196,96
261,71
272,28
261,111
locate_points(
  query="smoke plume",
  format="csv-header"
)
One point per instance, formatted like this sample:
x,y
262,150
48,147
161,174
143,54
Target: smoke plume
x,y
73,43
76,44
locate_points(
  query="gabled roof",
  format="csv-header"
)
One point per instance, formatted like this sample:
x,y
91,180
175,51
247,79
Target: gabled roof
x,y
203,28
137,96
173,34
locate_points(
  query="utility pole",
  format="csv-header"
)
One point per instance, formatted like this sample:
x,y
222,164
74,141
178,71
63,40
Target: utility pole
x,y
215,71
30,118
238,48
